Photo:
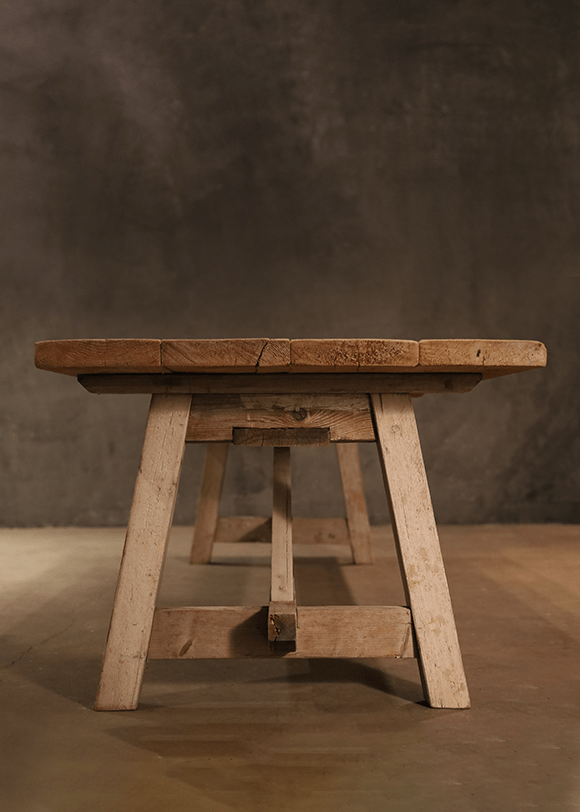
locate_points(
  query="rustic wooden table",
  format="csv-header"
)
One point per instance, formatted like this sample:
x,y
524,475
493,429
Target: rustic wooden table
x,y
283,393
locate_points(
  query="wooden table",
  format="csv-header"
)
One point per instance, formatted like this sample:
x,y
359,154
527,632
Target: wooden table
x,y
283,393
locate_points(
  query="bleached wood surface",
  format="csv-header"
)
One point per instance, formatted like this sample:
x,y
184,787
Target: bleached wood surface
x,y
305,530
217,632
144,552
416,537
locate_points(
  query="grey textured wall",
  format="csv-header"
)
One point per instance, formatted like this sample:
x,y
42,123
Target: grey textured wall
x,y
392,168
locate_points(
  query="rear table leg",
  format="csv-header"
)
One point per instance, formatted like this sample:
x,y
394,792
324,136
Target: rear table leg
x,y
206,518
354,499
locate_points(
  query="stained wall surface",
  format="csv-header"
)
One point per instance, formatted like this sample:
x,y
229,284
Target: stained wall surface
x,y
303,169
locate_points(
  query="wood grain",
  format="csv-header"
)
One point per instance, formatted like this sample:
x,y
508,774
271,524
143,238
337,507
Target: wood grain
x,y
305,530
213,417
217,632
492,358
297,356
282,610
99,355
226,355
353,355
280,438
144,553
275,356
355,503
418,547
206,517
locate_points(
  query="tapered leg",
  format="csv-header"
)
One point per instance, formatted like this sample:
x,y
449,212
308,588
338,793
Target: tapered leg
x,y
419,551
144,553
354,499
209,501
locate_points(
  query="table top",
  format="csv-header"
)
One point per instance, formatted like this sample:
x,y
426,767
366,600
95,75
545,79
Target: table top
x,y
97,356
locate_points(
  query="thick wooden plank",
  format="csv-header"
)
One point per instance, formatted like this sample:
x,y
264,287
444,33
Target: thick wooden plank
x,y
211,355
280,438
353,355
251,355
213,417
305,530
419,551
206,517
275,356
226,355
355,503
144,552
413,383
217,632
282,611
99,355
492,358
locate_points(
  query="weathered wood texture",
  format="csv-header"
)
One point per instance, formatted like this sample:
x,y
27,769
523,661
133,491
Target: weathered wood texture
x,y
251,355
353,355
304,530
417,542
206,517
412,383
223,355
217,632
280,438
99,355
144,552
282,622
282,611
355,502
492,358
213,417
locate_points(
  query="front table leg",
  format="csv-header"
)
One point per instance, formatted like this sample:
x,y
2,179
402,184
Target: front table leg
x,y
419,552
144,553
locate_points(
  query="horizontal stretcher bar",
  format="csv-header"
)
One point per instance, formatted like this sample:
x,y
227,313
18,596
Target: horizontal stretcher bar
x,y
219,632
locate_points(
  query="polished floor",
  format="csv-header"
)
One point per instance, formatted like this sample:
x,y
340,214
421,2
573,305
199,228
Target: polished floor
x,y
310,736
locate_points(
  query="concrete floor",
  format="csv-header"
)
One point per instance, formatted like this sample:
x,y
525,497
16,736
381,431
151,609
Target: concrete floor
x,y
342,736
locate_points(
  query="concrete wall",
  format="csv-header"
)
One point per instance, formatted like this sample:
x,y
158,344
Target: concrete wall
x,y
402,168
